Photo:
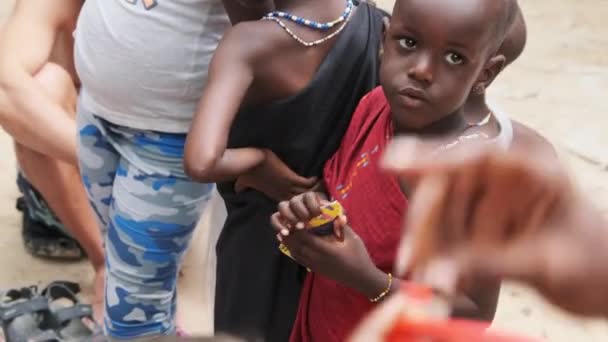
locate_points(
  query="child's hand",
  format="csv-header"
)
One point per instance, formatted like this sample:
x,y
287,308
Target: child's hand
x,y
341,257
298,211
275,179
479,211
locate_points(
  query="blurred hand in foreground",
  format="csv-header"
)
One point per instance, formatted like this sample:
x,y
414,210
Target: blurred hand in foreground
x,y
477,211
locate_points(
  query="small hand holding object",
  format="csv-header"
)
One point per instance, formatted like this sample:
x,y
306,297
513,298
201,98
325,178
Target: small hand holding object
x,y
341,256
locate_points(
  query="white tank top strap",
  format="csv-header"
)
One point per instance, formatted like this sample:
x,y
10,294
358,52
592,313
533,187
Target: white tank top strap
x,y
505,136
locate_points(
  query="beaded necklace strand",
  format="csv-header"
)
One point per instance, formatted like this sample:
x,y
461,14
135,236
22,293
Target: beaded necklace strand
x,y
343,19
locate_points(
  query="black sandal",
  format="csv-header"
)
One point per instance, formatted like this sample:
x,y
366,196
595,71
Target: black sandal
x,y
73,322
45,241
43,234
21,314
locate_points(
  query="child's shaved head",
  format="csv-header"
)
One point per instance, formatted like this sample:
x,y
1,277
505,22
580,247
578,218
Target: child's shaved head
x,y
438,51
515,41
503,13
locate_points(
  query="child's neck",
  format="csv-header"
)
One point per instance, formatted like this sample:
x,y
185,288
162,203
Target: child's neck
x,y
476,108
446,126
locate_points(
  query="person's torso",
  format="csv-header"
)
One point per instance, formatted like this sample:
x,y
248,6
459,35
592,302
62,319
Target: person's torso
x,y
374,204
143,64
305,129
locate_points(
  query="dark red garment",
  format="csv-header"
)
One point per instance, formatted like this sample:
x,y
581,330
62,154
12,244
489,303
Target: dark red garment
x,y
374,204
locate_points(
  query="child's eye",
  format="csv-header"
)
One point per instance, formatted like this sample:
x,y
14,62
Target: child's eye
x,y
407,43
454,58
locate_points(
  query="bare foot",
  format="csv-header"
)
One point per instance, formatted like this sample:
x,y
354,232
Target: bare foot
x,y
99,294
180,332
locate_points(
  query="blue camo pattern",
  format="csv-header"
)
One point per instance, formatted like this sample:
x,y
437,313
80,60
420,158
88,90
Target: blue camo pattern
x,y
147,209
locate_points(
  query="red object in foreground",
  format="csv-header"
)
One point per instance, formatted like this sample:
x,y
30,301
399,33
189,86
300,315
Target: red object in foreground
x,y
431,328
446,331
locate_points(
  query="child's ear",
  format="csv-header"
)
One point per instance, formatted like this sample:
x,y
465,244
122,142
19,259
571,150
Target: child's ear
x,y
492,68
386,24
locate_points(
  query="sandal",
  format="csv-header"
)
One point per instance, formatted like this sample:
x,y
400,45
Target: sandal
x,y
21,314
47,242
73,322
43,234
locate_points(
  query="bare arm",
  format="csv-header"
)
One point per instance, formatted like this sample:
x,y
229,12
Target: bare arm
x,y
230,76
26,111
480,303
243,10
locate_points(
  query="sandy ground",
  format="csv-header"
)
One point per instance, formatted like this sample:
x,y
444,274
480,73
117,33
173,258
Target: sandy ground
x,y
561,76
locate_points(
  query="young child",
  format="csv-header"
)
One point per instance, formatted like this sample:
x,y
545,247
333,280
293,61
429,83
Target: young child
x,y
142,65
532,225
275,103
436,53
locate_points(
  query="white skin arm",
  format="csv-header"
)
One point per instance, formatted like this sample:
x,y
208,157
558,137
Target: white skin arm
x,y
26,111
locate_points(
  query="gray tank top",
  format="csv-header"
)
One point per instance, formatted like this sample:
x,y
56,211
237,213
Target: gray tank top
x,y
143,63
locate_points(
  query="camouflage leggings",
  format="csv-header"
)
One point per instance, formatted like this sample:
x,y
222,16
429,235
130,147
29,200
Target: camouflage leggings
x,y
147,209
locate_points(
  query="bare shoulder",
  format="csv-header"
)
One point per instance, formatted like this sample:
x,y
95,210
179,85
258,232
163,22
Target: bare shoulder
x,y
528,138
254,39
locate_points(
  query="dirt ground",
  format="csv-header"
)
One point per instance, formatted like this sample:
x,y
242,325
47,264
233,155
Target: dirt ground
x,y
561,76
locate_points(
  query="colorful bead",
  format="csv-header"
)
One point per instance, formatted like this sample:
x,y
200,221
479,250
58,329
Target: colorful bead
x,y
313,24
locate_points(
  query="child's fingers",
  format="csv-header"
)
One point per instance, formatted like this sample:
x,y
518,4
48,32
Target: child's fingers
x,y
311,182
302,182
287,214
299,209
312,203
278,225
323,202
339,224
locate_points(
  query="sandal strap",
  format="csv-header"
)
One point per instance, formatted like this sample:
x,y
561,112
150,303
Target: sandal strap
x,y
18,309
77,311
61,289
45,336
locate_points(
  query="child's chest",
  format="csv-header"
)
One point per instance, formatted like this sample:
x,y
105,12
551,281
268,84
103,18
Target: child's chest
x,y
373,201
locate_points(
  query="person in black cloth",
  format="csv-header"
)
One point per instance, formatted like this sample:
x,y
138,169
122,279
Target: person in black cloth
x,y
280,96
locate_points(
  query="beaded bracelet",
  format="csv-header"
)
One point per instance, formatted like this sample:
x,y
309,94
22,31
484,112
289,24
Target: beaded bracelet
x,y
385,292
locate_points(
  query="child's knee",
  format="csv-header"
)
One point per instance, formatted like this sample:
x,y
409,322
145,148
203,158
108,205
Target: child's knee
x,y
58,84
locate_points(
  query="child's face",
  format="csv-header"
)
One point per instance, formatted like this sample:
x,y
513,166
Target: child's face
x,y
435,52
